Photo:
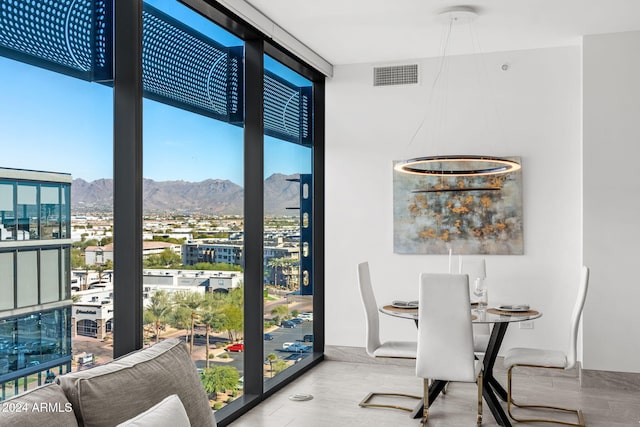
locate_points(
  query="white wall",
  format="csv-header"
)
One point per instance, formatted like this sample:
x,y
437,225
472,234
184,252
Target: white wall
x,y
532,110
611,188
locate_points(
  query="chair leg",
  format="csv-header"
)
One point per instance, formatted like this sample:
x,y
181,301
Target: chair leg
x,y
365,403
425,411
511,402
479,420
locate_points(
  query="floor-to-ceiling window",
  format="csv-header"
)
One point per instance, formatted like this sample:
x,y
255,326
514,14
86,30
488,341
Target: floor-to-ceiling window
x,y
193,210
56,121
288,218
196,156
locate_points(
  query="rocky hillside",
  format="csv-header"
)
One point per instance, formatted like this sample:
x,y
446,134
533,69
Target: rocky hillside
x,y
213,196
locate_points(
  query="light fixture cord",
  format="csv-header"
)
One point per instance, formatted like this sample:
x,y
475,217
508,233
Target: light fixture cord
x,y
444,47
489,93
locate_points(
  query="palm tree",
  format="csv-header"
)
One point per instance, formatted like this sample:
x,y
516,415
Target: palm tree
x,y
211,320
271,357
193,301
158,310
276,263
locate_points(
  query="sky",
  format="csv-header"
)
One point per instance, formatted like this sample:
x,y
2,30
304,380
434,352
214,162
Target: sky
x,y
53,122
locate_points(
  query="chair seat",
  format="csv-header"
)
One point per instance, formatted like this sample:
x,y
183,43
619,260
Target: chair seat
x,y
403,349
535,357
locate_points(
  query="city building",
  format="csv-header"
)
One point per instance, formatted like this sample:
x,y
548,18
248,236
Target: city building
x,y
35,308
203,281
279,275
193,253
100,254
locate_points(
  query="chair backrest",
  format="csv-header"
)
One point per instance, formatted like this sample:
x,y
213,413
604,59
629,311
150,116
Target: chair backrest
x,y
575,317
445,340
474,267
370,308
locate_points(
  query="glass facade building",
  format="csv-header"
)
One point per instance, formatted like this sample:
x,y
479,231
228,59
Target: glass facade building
x,y
35,307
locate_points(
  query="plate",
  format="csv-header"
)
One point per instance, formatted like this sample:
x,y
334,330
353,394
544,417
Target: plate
x,y
404,304
514,307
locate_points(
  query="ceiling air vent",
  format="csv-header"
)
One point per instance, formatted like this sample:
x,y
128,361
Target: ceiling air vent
x,y
395,75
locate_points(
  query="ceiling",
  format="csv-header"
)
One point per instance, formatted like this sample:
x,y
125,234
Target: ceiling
x,y
378,31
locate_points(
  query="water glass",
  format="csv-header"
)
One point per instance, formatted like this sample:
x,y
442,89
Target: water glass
x,y
480,291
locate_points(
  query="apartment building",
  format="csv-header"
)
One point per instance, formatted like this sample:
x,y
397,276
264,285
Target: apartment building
x,y
35,308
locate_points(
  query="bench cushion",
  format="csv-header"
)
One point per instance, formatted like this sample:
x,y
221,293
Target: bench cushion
x,y
38,408
117,391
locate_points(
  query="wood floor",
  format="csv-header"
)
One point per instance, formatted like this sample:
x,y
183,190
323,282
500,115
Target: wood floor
x,y
338,387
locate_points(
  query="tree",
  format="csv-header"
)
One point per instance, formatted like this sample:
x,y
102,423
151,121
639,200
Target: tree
x,y
165,259
168,239
180,318
271,357
280,310
77,257
90,242
220,379
101,268
193,301
234,321
275,264
279,366
211,321
158,311
282,264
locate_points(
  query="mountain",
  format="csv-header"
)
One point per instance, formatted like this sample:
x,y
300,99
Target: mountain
x,y
212,196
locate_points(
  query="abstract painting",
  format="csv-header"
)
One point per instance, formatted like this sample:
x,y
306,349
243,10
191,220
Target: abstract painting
x,y
467,215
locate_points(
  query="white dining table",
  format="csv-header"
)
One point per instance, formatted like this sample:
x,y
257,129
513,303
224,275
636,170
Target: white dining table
x,y
491,388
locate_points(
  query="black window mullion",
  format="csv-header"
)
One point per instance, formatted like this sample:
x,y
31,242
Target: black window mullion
x,y
127,176
253,216
317,129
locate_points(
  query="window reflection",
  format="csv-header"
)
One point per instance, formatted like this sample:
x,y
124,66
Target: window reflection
x,y
49,212
36,341
27,213
7,212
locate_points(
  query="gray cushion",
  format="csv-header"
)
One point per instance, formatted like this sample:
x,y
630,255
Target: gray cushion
x,y
168,413
119,390
42,406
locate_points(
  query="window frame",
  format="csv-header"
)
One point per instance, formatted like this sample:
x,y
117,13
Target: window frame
x,y
128,194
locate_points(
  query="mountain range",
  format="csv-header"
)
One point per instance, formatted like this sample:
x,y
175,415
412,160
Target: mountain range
x,y
209,197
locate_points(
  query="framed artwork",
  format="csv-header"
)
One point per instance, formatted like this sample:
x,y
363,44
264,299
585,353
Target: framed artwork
x,y
469,215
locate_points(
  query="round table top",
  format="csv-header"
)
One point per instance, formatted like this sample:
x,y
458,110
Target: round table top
x,y
484,315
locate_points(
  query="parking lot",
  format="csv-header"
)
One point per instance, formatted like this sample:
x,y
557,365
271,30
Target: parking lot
x,y
103,350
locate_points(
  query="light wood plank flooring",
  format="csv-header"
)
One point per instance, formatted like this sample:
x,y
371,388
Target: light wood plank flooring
x,y
337,388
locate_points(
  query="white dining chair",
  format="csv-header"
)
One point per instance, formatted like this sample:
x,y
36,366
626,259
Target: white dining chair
x,y
375,347
549,359
445,338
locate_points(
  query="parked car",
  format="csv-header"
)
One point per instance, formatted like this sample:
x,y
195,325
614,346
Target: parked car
x,y
297,348
287,324
268,337
306,316
308,338
297,320
237,347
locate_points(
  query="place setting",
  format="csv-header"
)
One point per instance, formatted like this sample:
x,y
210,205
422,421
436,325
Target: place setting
x,y
513,310
400,305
